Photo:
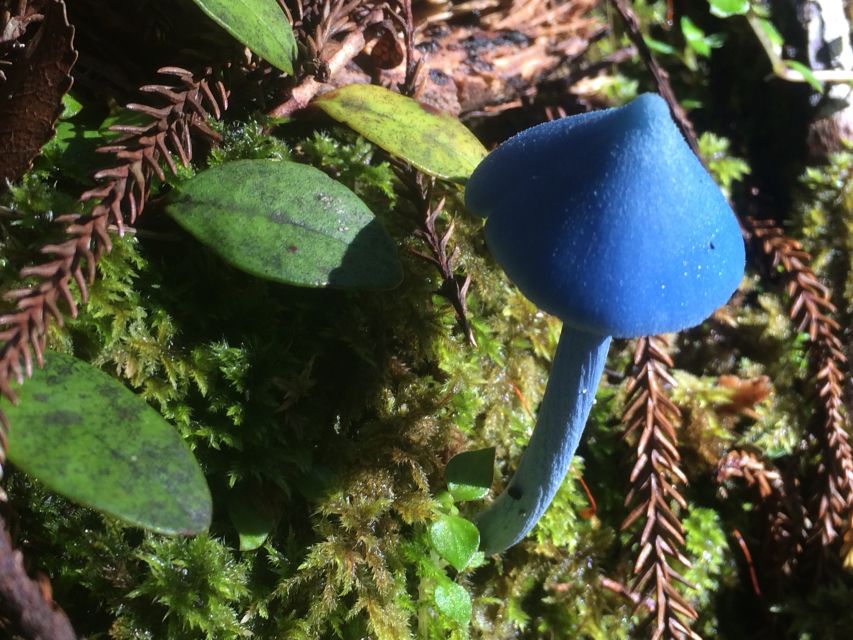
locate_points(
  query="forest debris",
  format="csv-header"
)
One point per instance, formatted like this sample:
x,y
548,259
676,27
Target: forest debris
x,y
745,394
811,310
477,68
26,603
35,81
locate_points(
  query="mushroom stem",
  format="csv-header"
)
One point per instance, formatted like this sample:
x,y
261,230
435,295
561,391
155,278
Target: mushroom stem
x,y
575,373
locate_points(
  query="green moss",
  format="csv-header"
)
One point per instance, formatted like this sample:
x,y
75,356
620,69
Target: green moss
x,y
824,219
336,412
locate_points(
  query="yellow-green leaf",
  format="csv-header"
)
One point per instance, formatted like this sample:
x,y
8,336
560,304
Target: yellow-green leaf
x,y
431,141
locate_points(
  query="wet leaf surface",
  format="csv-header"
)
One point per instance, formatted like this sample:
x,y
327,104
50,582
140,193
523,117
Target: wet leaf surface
x,y
469,474
453,601
455,539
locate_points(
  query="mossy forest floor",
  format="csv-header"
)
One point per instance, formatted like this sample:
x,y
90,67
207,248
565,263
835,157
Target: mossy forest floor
x,y
324,419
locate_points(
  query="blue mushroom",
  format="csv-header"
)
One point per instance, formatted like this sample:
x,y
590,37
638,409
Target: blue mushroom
x,y
610,222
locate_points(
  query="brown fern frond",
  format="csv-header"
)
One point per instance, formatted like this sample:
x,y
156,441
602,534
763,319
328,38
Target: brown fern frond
x,y
811,310
651,418
454,287
119,197
782,507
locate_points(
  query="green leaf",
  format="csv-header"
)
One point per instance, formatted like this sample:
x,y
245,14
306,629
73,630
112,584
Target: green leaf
x,y
123,117
728,8
252,521
469,474
807,74
453,601
72,151
86,436
287,222
71,106
695,37
259,24
433,142
658,46
455,539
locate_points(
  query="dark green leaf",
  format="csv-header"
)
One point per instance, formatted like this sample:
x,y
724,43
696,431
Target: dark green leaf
x,y
469,474
453,601
455,539
433,142
259,24
88,437
727,8
287,222
252,521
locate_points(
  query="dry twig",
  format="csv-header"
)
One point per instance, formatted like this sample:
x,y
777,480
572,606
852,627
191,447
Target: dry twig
x,y
661,77
454,287
27,603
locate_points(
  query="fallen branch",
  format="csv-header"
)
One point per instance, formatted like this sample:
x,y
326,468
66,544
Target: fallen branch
x,y
25,602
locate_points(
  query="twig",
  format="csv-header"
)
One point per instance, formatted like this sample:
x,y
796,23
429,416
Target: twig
x,y
305,91
756,588
25,602
634,597
413,66
782,70
661,77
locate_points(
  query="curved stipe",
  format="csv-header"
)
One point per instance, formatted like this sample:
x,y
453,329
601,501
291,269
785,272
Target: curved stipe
x,y
575,373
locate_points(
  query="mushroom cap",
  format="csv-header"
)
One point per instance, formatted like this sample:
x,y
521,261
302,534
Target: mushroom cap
x,y
610,222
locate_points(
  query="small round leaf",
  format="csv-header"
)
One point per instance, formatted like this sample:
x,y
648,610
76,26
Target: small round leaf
x,y
469,474
453,601
287,222
455,539
86,436
252,521
433,142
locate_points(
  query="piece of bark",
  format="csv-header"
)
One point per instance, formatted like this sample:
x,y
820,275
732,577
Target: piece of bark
x,y
31,99
26,604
